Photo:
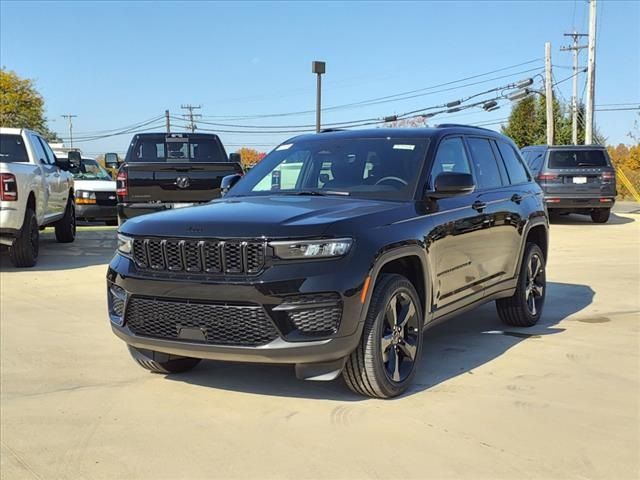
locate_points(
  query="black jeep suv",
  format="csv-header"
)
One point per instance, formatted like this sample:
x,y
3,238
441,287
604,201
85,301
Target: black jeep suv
x,y
333,254
574,178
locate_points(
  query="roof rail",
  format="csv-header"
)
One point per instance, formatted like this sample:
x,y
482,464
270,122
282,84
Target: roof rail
x,y
461,125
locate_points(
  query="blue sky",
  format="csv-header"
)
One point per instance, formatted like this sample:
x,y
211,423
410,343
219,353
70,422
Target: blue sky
x,y
116,64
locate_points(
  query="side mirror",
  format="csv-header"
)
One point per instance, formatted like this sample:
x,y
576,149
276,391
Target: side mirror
x,y
63,164
235,157
74,158
452,184
111,160
228,182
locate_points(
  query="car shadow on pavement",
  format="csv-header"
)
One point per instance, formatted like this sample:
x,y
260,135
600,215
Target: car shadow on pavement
x,y
452,348
576,219
92,246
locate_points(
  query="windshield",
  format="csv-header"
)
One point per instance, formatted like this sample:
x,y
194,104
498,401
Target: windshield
x,y
90,170
577,158
159,148
12,149
380,168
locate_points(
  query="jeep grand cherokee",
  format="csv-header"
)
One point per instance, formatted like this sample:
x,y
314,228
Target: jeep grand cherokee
x,y
333,254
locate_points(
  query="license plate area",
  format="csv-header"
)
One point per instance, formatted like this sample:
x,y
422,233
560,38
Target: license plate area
x,y
182,205
580,180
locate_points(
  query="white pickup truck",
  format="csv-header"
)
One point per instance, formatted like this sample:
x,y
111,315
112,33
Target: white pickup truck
x,y
36,191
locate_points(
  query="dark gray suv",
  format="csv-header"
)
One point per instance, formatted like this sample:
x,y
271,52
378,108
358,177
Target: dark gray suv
x,y
574,178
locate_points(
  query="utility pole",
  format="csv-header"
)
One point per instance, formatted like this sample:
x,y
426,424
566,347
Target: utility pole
x,y
575,48
548,91
70,118
167,121
191,116
319,68
591,74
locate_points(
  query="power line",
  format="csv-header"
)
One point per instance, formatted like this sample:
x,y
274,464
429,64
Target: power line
x,y
191,116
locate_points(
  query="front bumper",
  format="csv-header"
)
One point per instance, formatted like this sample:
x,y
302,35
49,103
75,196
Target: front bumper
x,y
271,291
96,212
575,202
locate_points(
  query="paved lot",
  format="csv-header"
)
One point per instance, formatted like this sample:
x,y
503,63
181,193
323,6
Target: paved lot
x,y
560,400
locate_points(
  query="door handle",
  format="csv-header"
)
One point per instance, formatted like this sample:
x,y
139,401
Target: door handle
x,y
516,198
478,205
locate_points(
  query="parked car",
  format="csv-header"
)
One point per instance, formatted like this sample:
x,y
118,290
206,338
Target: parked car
x,y
36,191
574,178
163,171
95,193
339,265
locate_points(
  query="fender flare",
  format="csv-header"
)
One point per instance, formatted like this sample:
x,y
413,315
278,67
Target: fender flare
x,y
394,254
535,222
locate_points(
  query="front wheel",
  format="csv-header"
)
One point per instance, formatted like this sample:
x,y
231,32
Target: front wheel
x,y
66,226
157,362
600,215
524,308
384,363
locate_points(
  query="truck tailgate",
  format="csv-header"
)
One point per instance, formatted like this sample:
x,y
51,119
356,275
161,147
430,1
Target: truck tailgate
x,y
176,182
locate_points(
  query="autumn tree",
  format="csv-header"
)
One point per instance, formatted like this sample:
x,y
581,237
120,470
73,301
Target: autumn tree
x,y
250,156
21,106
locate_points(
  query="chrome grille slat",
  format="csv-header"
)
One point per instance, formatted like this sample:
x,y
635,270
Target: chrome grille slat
x,y
229,257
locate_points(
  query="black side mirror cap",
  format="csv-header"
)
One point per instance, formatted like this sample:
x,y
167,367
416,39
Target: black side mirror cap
x,y
229,181
235,157
64,164
452,184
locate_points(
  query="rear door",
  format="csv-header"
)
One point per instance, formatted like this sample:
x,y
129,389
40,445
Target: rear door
x,y
579,172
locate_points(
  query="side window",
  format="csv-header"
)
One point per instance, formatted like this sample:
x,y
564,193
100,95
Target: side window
x,y
516,170
285,176
450,157
47,151
484,163
534,160
38,150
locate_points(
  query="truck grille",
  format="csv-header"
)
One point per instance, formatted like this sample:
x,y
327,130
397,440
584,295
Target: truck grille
x,y
199,256
106,198
213,324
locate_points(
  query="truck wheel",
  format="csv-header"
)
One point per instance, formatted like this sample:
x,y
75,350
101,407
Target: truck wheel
x,y
524,308
157,362
24,251
66,226
384,363
600,215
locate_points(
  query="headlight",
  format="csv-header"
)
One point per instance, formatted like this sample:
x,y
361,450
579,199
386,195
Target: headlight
x,y
125,245
85,197
291,250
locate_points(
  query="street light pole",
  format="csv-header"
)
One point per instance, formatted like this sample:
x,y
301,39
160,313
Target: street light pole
x,y
70,118
319,69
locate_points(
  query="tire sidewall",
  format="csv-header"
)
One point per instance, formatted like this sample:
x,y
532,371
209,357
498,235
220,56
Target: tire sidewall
x,y
532,249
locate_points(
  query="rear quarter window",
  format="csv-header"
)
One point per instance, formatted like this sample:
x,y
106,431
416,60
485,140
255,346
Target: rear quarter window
x,y
515,168
577,159
12,149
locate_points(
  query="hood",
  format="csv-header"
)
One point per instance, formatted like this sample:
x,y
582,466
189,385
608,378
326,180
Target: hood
x,y
274,216
95,185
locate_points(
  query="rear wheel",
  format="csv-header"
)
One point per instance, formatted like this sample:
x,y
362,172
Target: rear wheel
x,y
600,215
66,226
384,363
524,308
157,362
25,248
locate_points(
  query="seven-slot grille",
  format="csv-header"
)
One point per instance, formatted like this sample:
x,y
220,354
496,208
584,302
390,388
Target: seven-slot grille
x,y
199,256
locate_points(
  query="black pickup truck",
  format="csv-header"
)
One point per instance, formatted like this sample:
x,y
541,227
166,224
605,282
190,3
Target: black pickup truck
x,y
163,171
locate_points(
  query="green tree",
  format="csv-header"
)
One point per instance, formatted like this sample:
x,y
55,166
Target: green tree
x,y
21,106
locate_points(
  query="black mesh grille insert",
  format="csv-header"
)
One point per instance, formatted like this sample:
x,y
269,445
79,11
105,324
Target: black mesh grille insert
x,y
117,298
199,256
317,314
217,324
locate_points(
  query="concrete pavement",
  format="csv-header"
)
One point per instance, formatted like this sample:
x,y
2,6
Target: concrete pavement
x,y
560,400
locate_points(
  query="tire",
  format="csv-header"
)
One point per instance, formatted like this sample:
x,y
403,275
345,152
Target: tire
x,y
66,226
25,248
524,308
366,372
600,215
157,362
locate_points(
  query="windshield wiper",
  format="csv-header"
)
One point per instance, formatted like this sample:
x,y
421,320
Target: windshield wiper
x,y
320,193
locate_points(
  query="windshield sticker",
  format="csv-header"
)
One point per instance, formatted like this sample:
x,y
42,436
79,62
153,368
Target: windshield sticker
x,y
402,146
284,146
